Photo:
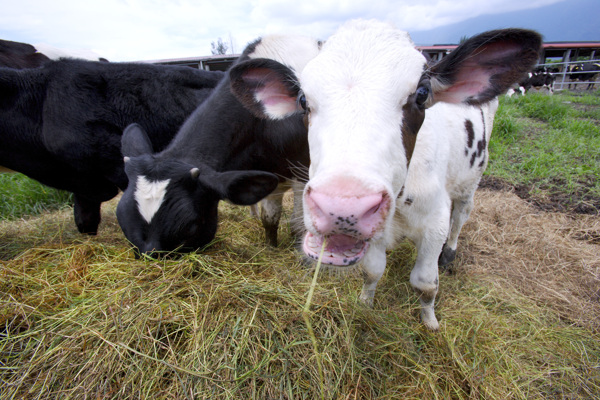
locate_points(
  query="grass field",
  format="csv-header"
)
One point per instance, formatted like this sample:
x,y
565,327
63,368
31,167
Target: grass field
x,y
22,196
81,318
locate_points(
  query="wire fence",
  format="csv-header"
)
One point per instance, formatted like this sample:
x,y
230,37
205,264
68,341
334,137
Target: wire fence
x,y
568,79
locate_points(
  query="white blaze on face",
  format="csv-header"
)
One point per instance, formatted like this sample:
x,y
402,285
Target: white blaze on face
x,y
149,196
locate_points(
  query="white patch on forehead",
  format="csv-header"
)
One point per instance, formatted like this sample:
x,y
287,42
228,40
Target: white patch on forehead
x,y
356,87
370,56
291,50
149,196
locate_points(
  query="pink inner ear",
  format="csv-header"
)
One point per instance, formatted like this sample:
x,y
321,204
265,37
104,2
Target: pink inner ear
x,y
276,99
470,81
474,75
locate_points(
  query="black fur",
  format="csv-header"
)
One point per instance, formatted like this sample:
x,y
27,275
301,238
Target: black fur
x,y
20,55
507,53
221,135
61,124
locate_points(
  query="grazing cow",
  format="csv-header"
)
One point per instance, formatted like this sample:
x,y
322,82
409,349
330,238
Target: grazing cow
x,y
61,124
20,55
385,164
584,73
540,78
219,153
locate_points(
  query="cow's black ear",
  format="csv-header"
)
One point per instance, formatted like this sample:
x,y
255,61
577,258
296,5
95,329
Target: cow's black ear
x,y
135,141
266,88
244,187
485,66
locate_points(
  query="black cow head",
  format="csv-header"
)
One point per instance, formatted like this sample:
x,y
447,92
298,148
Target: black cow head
x,y
172,205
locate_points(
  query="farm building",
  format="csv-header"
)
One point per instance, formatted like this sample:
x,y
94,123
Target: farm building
x,y
555,54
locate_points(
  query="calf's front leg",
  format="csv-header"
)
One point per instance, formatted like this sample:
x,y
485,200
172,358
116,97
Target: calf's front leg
x,y
424,276
373,267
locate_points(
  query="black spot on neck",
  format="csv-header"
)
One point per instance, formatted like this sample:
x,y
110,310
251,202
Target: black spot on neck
x,y
470,133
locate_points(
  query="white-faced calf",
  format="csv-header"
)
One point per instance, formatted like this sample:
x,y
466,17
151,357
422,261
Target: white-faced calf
x,y
397,146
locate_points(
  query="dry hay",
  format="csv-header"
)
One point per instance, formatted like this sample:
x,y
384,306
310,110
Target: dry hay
x,y
81,318
553,258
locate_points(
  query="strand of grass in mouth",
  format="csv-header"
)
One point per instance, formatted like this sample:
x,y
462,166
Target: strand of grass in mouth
x,y
307,319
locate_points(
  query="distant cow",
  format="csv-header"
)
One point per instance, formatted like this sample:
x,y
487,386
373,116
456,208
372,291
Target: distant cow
x,y
220,153
540,78
386,163
61,124
584,73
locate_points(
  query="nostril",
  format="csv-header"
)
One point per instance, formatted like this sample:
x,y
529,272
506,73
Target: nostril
x,y
373,210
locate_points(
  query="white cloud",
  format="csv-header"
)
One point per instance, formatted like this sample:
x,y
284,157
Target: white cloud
x,y
122,30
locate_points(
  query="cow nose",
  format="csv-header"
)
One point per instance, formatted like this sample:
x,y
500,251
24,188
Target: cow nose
x,y
150,249
357,215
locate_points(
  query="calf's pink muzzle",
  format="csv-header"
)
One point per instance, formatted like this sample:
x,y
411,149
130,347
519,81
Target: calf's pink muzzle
x,y
346,220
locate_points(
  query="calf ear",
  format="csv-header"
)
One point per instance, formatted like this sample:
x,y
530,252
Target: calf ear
x,y
265,87
485,66
135,141
244,187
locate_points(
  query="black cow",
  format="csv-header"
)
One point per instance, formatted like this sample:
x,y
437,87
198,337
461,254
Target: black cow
x,y
584,73
20,55
61,124
219,153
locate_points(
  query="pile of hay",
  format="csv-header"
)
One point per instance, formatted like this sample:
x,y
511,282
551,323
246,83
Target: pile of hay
x,y
551,258
81,318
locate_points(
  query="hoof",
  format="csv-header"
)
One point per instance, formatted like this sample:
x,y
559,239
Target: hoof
x,y
429,320
446,257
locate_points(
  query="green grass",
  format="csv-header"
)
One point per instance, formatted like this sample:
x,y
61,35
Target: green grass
x,y
22,196
550,144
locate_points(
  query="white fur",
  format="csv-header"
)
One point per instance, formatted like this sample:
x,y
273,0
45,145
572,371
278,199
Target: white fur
x,y
149,195
293,51
55,53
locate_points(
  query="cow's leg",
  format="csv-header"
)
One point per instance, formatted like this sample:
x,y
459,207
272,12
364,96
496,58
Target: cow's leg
x,y
424,276
87,214
461,209
373,268
424,280
270,212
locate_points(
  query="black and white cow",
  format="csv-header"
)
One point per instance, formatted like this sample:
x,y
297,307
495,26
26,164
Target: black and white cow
x,y
61,124
584,73
397,147
219,153
540,78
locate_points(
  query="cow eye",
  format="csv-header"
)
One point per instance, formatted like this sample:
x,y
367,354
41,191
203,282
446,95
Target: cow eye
x,y
302,102
422,94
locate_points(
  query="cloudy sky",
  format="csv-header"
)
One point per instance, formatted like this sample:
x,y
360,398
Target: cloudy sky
x,y
126,30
